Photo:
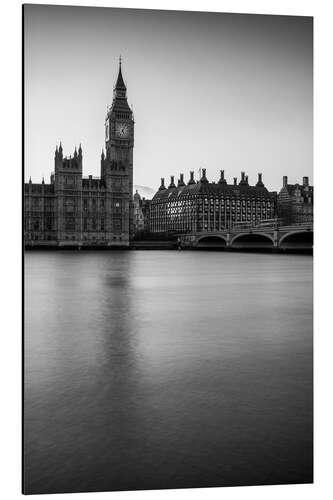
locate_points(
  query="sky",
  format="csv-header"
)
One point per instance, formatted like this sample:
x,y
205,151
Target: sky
x,y
209,90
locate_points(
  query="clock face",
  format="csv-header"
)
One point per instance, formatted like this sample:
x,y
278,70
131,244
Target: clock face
x,y
122,130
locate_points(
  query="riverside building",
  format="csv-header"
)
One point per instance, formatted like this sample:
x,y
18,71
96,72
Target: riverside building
x,y
203,206
295,202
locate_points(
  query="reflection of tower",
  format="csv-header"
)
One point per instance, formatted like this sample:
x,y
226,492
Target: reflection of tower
x,y
117,165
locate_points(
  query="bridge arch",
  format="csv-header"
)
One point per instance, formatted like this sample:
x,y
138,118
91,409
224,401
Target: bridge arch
x,y
302,240
211,241
252,240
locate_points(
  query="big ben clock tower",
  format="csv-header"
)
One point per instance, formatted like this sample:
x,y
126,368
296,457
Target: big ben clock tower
x,y
117,166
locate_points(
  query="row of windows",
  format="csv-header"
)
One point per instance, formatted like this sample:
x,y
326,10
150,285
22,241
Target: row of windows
x,y
238,202
70,163
70,225
179,218
93,186
217,201
125,116
212,202
183,213
40,202
93,203
50,237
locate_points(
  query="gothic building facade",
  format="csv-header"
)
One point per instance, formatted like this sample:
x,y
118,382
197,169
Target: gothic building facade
x,y
80,211
141,208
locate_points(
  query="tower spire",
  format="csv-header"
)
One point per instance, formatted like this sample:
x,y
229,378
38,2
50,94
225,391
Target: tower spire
x,y
120,84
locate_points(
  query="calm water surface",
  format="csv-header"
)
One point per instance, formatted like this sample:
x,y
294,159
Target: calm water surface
x,y
149,369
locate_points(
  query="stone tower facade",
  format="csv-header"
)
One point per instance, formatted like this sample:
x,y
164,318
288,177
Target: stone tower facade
x,y
67,190
84,211
117,162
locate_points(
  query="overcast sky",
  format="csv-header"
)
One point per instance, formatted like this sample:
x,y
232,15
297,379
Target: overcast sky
x,y
219,91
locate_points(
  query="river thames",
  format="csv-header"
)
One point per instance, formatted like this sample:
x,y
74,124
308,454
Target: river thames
x,y
166,369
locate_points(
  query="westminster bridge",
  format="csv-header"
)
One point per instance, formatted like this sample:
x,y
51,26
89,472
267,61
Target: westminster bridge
x,y
275,237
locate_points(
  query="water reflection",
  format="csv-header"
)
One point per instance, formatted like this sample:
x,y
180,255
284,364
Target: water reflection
x,y
167,369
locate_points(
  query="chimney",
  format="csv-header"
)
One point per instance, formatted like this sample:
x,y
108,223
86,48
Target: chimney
x,y
305,181
285,180
172,182
203,178
222,179
181,180
247,179
243,179
162,186
260,183
191,181
235,181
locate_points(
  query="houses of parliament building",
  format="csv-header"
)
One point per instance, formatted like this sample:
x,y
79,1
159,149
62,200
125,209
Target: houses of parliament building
x,y
74,210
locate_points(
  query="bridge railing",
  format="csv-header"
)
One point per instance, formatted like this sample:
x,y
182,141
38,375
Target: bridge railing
x,y
306,226
278,225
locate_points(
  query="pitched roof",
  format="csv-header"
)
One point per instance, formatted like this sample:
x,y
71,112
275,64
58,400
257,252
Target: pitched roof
x,y
290,188
211,189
